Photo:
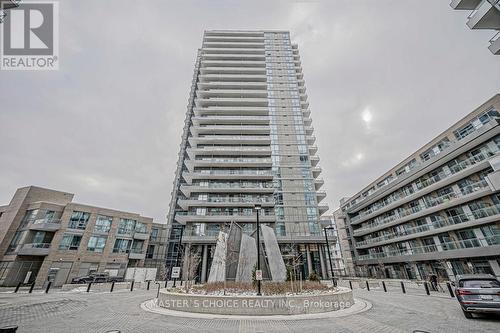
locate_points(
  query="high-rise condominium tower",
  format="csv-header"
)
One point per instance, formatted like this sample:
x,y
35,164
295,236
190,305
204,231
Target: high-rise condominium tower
x,y
248,140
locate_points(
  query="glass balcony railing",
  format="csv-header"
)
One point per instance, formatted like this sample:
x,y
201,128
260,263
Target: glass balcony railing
x,y
236,185
250,213
234,200
235,172
429,203
234,160
36,246
439,222
445,246
462,165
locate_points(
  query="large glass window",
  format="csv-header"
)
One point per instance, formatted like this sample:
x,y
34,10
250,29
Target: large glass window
x,y
70,242
126,226
97,243
122,245
154,234
140,227
29,216
78,220
103,223
13,247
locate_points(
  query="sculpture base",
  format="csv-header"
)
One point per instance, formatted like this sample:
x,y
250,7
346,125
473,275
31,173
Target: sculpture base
x,y
257,305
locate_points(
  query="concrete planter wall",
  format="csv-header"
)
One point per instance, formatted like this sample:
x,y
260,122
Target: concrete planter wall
x,y
257,305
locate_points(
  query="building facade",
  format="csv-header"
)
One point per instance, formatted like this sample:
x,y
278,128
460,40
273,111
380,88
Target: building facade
x,y
157,250
484,14
248,140
438,211
45,236
345,248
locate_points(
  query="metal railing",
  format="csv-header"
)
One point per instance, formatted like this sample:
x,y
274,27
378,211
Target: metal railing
x,y
429,203
440,222
462,165
36,246
445,246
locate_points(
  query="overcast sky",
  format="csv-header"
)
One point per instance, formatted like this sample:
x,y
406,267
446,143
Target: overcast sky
x,y
383,78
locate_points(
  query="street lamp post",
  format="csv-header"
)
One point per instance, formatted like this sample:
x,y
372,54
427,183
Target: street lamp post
x,y
326,226
258,207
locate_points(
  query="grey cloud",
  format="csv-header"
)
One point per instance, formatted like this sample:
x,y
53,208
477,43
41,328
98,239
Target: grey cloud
x,y
107,125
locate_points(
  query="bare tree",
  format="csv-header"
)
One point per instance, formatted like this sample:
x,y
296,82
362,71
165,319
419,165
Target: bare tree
x,y
192,259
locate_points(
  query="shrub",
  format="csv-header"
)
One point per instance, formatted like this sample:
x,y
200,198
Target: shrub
x,y
313,276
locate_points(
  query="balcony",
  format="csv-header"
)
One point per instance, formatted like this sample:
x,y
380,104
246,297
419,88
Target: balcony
x,y
446,246
318,183
141,235
435,227
232,111
34,249
465,4
234,120
314,160
316,171
495,44
230,129
50,225
232,50
225,188
323,208
232,78
137,254
229,150
242,201
228,162
232,93
432,203
222,217
231,139
438,178
486,16
320,195
491,127
229,175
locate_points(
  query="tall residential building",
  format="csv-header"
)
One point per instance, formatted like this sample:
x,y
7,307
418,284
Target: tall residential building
x,y
248,140
484,14
438,211
44,236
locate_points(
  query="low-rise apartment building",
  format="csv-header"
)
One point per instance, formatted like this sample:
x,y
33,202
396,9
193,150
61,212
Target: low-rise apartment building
x,y
44,236
438,211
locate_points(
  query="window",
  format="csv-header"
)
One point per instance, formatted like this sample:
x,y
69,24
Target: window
x,y
70,242
103,223
15,241
480,283
140,227
122,245
154,234
150,252
137,246
78,220
29,216
97,243
126,226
